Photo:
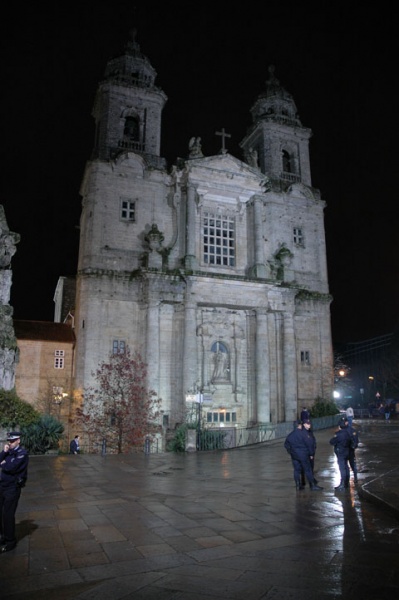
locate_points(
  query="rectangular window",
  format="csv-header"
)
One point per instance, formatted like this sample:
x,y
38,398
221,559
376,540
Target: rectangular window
x,y
298,236
219,240
118,347
305,357
128,210
59,359
221,417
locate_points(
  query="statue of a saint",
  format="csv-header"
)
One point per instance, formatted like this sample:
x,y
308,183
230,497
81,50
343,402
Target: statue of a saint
x,y
220,365
194,147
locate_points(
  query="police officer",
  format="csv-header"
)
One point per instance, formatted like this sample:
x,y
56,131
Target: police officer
x,y
341,442
299,446
307,427
14,472
354,444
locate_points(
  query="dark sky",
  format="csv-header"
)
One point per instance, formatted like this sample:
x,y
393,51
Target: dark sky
x,y
337,59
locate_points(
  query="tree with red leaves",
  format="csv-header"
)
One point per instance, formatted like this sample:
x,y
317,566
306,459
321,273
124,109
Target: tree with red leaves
x,y
120,409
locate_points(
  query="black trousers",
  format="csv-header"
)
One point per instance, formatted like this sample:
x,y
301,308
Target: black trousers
x,y
9,498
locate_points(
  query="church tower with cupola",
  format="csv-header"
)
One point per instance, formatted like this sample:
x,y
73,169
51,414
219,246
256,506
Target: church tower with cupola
x,y
128,107
277,136
214,270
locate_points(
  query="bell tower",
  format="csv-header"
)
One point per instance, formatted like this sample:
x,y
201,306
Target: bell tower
x,y
128,107
277,137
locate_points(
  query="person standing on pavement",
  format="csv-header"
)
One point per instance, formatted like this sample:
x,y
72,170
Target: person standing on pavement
x,y
299,447
354,444
387,412
14,472
307,428
341,442
350,414
302,484
304,414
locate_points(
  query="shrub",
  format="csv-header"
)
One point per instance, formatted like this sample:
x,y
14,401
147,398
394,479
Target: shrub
x,y
178,442
15,412
323,408
42,435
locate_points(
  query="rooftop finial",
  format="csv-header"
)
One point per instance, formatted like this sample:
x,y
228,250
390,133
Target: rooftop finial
x,y
272,81
133,34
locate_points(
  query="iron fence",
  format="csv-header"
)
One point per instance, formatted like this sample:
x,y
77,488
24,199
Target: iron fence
x,y
226,437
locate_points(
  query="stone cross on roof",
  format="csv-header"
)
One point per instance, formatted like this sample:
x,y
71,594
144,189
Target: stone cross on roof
x,y
224,136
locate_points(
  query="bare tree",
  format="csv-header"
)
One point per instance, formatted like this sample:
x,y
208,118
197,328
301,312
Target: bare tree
x,y
120,408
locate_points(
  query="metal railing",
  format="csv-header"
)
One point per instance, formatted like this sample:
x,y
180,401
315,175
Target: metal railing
x,y
231,437
234,437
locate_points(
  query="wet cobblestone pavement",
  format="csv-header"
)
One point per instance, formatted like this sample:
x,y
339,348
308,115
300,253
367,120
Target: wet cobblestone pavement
x,y
207,526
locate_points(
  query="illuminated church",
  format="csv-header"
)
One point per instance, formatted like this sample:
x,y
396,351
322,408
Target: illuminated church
x,y
215,269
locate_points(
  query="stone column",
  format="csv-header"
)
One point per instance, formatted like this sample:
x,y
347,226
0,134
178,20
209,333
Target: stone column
x,y
190,357
290,368
262,361
153,343
259,269
190,260
8,342
275,329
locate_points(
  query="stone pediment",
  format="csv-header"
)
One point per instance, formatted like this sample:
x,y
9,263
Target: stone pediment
x,y
225,176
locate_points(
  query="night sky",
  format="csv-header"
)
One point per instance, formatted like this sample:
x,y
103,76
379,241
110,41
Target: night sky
x,y
337,59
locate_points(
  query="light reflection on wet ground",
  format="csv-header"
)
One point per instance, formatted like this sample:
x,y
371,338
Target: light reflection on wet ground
x,y
226,525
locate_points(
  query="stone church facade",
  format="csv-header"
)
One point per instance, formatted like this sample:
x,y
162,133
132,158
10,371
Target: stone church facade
x,y
214,270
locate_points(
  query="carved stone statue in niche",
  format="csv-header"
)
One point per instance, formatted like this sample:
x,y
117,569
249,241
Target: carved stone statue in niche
x,y
220,362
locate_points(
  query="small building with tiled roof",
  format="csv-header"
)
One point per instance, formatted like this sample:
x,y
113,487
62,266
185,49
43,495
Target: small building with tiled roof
x,y
43,373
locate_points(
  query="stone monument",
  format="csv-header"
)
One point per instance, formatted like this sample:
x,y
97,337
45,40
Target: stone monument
x,y
8,341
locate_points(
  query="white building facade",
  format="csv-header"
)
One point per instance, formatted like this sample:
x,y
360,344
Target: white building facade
x,y
214,270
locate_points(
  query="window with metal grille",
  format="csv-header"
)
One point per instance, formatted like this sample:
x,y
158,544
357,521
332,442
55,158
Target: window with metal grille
x,y
118,347
298,236
59,359
219,240
128,209
305,357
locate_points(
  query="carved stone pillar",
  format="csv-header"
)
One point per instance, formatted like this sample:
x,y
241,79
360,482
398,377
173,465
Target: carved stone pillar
x,y
262,361
153,343
8,342
190,358
259,269
190,260
290,368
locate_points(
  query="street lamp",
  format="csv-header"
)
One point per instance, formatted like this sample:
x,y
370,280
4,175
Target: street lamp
x,y
372,385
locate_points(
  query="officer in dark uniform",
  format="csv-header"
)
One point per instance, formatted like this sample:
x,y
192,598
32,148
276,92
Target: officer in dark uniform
x,y
14,472
307,428
342,442
354,444
299,446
